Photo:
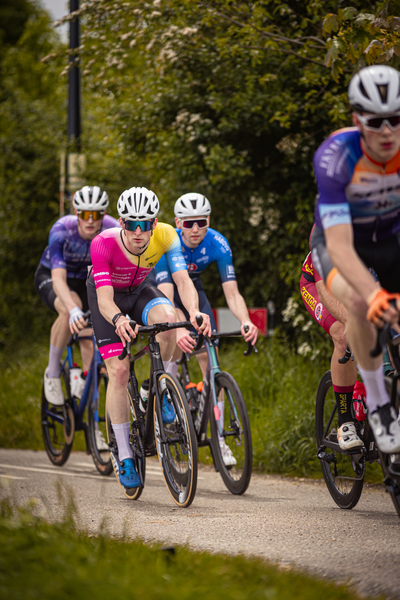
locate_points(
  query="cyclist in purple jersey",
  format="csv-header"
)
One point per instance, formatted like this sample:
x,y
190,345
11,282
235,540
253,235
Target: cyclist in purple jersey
x,y
60,279
358,227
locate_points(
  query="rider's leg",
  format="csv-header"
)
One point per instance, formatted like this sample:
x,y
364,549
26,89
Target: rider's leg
x,y
118,404
161,313
344,376
362,335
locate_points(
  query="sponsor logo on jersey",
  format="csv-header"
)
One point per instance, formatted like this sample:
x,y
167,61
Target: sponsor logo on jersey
x,y
230,271
309,269
203,259
319,309
191,267
162,275
203,251
149,257
308,299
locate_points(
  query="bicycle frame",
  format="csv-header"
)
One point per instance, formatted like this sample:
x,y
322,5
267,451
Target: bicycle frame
x,y
92,376
156,368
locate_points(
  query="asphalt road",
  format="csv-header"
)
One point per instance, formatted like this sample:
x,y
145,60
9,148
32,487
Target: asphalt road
x,y
293,523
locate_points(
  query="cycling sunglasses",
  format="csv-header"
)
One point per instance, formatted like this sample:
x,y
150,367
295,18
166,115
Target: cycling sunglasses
x,y
378,123
144,225
86,214
201,223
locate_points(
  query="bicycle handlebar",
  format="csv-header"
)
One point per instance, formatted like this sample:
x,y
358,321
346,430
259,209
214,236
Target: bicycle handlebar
x,y
217,336
346,357
156,328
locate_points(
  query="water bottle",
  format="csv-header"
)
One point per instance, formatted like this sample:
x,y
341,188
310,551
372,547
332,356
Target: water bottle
x,y
144,395
359,396
74,380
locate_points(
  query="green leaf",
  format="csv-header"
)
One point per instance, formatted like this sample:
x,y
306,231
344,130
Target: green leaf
x,y
348,13
330,23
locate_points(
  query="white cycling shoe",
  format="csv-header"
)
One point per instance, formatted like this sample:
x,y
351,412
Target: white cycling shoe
x,y
348,438
386,428
101,443
53,391
227,456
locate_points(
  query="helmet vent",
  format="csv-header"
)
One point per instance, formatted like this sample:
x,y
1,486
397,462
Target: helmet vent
x,y
194,204
363,90
383,91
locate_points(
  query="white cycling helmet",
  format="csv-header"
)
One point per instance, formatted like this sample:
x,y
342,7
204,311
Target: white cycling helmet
x,y
90,198
138,204
192,205
375,89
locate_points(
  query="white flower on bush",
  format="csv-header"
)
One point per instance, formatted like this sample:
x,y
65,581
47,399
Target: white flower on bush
x,y
297,320
307,326
304,349
291,308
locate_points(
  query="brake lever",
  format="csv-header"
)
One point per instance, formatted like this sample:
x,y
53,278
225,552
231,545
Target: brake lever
x,y
380,341
127,348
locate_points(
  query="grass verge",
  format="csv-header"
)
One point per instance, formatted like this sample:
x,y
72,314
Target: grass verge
x,y
279,388
47,561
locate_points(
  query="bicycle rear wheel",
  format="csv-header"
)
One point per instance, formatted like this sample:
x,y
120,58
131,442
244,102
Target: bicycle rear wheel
x,y
97,425
176,443
58,424
136,443
343,473
236,435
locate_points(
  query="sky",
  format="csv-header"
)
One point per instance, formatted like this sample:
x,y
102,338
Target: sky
x,y
57,9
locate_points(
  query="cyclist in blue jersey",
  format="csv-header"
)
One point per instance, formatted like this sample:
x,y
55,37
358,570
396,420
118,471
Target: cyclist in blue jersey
x,y
60,279
358,227
202,246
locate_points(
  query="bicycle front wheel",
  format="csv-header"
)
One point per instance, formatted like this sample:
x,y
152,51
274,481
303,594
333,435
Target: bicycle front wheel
x,y
176,442
97,425
58,424
233,450
135,442
343,473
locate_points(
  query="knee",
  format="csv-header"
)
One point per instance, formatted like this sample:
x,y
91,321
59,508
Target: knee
x,y
119,374
356,306
337,333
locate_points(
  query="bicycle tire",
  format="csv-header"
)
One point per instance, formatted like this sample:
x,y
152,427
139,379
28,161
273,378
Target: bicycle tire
x,y
178,455
97,428
58,424
344,488
136,444
238,437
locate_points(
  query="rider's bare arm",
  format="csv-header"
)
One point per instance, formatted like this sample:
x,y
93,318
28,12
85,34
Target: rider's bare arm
x,y
238,307
339,243
335,307
61,289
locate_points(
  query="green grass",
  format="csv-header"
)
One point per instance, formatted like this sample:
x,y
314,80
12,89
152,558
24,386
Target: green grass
x,y
44,561
279,388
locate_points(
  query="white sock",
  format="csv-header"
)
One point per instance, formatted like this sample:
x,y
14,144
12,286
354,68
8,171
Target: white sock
x,y
375,388
121,431
55,354
172,368
166,364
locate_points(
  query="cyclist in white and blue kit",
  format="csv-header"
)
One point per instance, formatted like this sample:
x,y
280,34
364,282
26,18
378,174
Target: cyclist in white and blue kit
x,y
202,246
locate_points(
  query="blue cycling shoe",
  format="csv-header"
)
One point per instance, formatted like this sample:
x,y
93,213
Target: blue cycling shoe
x,y
128,476
168,412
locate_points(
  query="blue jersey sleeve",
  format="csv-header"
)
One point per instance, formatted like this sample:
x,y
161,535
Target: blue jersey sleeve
x,y
333,164
162,272
223,258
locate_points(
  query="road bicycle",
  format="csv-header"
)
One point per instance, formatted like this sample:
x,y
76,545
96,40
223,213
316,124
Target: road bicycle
x,y
174,443
219,414
59,423
344,471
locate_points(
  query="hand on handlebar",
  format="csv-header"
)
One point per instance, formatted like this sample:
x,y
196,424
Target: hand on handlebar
x,y
76,320
380,311
205,327
125,331
249,332
184,340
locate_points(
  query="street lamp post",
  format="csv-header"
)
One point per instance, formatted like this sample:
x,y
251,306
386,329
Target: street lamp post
x,y
72,158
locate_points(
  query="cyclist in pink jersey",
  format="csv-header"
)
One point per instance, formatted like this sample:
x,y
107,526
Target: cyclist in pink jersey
x,y
120,291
